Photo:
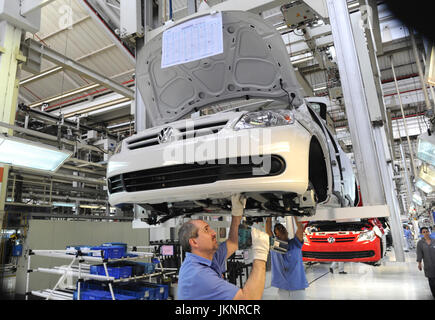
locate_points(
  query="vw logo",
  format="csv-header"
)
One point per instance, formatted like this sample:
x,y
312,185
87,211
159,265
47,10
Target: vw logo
x,y
165,135
331,239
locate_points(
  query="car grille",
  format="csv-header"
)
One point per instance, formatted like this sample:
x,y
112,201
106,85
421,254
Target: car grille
x,y
182,133
339,240
191,174
338,255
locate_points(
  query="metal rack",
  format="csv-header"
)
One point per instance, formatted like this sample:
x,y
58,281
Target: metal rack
x,y
81,271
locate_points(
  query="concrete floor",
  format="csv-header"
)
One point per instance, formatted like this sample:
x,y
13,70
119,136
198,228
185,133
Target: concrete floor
x,y
390,281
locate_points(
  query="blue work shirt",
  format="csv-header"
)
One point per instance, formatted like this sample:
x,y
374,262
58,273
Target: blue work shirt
x,y
407,233
201,279
288,271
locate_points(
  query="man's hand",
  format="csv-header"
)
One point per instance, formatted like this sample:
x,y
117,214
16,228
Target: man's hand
x,y
238,203
419,266
260,244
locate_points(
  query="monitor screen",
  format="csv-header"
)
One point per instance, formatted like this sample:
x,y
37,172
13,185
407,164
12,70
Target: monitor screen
x,y
167,250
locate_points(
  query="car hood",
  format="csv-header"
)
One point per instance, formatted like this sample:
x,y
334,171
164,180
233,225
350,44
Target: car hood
x,y
254,64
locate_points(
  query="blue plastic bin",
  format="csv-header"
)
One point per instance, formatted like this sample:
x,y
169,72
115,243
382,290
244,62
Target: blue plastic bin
x,y
116,272
100,295
17,250
161,291
116,244
139,292
110,252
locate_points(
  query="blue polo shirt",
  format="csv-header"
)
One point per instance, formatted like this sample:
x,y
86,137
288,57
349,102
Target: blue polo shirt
x,y
201,279
288,271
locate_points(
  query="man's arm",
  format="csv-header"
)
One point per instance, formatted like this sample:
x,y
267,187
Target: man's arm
x,y
300,230
269,226
254,287
238,203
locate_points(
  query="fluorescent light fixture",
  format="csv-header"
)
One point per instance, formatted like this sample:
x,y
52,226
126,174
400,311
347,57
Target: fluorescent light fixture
x,y
43,74
97,107
416,198
24,153
426,148
302,60
425,187
427,173
114,126
64,204
430,69
91,207
67,94
320,88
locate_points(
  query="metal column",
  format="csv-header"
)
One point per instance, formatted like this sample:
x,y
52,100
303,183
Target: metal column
x,y
365,119
10,55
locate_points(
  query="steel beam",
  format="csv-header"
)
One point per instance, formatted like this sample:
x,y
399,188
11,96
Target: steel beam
x,y
10,38
108,32
72,65
369,142
29,6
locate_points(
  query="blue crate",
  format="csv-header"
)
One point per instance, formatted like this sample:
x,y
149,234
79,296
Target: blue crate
x,y
100,295
141,293
116,244
161,291
116,272
148,267
110,252
17,250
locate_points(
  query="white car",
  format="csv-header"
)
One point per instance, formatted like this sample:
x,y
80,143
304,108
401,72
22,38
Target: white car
x,y
270,143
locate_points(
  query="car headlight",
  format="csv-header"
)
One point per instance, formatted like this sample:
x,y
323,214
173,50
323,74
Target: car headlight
x,y
367,236
305,238
263,119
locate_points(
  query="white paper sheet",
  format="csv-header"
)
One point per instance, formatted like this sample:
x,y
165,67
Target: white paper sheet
x,y
192,40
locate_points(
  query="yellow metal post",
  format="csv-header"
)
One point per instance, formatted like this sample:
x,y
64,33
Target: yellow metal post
x,y
10,57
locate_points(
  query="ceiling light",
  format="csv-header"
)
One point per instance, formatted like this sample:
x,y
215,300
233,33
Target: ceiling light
x,y
64,204
321,88
426,148
67,94
425,187
97,107
427,173
416,198
43,74
24,153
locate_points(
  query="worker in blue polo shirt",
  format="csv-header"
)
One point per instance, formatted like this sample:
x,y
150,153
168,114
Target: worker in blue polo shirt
x,y
200,276
288,273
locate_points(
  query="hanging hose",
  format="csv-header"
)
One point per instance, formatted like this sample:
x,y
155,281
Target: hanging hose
x,y
170,9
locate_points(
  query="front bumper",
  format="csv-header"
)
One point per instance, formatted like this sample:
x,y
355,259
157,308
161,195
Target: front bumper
x,y
364,251
289,143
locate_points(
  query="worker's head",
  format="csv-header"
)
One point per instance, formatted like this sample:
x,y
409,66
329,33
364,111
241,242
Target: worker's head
x,y
425,232
280,232
196,236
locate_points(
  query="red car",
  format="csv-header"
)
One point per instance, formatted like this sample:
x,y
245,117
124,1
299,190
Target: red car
x,y
356,241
